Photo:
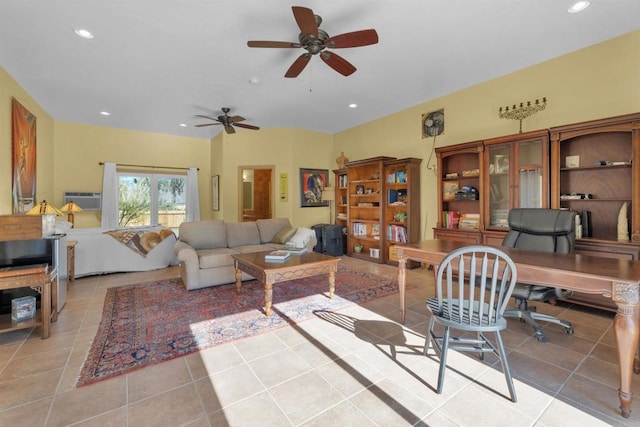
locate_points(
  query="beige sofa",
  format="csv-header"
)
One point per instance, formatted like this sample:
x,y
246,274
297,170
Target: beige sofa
x,y
204,248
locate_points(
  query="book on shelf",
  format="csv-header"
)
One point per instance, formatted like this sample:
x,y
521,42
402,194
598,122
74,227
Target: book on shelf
x,y
450,219
278,255
469,220
392,196
397,233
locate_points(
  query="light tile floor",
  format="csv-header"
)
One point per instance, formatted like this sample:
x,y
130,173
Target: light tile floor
x,y
355,367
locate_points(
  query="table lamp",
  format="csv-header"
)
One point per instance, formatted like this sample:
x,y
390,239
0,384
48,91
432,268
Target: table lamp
x,y
71,208
329,195
48,213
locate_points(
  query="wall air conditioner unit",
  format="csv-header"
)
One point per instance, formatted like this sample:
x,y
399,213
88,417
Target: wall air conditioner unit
x,y
87,201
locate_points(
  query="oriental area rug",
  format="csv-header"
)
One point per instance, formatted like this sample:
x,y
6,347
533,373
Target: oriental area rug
x,y
149,323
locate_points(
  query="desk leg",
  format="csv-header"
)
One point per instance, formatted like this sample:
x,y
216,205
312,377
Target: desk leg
x,y
626,326
402,283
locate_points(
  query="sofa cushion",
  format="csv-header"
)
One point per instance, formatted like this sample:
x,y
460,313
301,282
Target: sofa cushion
x,y
213,258
269,227
283,235
301,238
206,234
257,248
242,234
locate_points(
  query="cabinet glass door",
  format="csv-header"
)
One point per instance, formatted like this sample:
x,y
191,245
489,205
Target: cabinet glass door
x,y
499,185
530,172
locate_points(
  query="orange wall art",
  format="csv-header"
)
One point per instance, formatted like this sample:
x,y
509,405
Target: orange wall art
x,y
23,151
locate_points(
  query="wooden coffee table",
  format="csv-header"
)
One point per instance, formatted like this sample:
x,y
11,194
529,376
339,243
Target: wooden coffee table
x,y
296,267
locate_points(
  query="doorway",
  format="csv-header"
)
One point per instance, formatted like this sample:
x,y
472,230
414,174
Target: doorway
x,y
255,192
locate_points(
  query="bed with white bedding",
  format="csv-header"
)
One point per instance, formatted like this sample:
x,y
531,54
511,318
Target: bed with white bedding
x,y
141,249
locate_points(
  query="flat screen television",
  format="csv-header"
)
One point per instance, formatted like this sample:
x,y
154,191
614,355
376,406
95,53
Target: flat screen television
x,y
26,252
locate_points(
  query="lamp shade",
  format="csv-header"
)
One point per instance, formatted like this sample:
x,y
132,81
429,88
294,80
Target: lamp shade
x,y
44,208
328,194
71,207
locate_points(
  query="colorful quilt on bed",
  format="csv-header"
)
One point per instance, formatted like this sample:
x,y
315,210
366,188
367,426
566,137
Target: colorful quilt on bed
x,y
140,241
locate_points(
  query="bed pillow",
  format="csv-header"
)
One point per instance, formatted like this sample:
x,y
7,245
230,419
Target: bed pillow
x,y
62,227
284,235
301,238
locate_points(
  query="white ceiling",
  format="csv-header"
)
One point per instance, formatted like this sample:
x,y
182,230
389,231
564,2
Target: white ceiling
x,y
154,64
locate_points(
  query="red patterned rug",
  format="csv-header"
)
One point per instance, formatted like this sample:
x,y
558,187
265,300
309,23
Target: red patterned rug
x,y
153,322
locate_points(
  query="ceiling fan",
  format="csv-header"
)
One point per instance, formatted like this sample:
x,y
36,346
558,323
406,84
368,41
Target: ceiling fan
x,y
315,41
227,121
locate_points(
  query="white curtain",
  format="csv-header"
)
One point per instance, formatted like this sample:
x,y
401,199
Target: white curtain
x,y
192,196
109,196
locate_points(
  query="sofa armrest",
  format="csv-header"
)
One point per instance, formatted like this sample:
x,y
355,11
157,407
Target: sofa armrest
x,y
189,264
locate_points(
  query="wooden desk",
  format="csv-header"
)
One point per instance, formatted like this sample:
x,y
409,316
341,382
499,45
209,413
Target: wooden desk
x,y
618,279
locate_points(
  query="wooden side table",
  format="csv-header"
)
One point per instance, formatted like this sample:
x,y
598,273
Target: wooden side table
x,y
71,260
44,282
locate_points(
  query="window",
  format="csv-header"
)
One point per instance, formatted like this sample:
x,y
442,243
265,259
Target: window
x,y
150,199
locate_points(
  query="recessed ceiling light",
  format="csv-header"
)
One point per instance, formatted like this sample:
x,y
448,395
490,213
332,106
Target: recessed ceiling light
x,y
183,125
254,81
579,6
85,34
353,105
105,113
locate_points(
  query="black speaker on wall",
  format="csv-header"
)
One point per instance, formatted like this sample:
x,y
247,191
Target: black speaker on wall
x,y
585,219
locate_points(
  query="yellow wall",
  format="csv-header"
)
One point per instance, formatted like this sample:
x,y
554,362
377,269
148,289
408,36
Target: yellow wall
x,y
287,150
44,143
79,149
600,81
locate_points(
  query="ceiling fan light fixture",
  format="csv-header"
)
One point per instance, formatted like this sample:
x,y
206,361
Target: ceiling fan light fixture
x,y
579,6
84,33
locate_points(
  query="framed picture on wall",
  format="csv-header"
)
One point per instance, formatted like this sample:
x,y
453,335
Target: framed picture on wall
x,y
312,181
215,192
23,154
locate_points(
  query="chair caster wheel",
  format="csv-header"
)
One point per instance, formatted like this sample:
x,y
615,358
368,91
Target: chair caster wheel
x,y
541,338
569,331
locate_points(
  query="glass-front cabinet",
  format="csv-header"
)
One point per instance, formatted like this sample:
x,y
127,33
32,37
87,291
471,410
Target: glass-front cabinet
x,y
517,176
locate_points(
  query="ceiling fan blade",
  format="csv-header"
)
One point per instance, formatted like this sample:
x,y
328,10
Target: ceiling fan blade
x,y
306,20
338,63
206,117
259,43
298,65
353,39
246,126
236,119
229,129
207,124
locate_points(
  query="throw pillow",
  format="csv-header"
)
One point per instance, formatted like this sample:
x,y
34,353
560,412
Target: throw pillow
x,y
301,238
284,235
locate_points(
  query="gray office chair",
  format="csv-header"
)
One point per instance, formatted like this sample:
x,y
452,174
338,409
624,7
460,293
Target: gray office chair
x,y
545,230
472,302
